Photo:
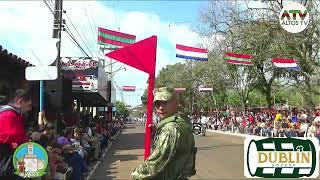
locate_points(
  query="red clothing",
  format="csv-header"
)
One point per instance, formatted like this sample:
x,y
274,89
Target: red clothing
x,y
251,119
12,128
244,123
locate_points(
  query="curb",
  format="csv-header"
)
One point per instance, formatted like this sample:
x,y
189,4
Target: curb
x,y
230,133
102,158
235,134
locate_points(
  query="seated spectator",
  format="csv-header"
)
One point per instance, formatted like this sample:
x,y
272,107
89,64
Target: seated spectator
x,y
277,125
290,130
77,146
56,163
65,136
74,160
44,140
49,130
312,131
257,128
102,134
303,128
80,136
318,134
90,137
269,130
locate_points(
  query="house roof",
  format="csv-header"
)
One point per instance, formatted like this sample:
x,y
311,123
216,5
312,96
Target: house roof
x,y
6,54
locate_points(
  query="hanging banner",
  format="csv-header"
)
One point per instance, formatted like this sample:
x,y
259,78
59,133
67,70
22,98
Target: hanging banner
x,y
128,88
83,71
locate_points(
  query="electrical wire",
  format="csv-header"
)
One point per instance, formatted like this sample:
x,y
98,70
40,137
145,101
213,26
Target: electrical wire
x,y
48,6
75,40
70,36
78,34
90,27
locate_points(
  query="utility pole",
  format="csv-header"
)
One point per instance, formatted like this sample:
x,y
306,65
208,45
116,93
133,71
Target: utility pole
x,y
55,88
57,27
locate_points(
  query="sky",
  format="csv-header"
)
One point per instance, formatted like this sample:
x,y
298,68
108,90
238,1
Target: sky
x,y
26,31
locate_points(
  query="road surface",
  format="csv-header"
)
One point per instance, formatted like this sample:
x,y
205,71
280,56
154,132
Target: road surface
x,y
219,156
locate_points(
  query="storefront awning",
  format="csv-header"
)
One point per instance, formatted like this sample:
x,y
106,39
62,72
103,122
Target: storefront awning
x,y
5,55
90,99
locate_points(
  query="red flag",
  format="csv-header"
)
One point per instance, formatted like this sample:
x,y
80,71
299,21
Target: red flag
x,y
140,55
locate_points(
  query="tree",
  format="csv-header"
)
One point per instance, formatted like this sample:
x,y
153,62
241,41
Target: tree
x,y
257,31
122,110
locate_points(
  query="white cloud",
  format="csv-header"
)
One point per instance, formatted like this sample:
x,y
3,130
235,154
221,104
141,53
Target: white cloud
x,y
28,25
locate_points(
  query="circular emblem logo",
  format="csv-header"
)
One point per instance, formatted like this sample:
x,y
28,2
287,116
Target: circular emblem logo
x,y
197,129
294,17
30,160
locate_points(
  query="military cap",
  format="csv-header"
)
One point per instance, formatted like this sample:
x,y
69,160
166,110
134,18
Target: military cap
x,y
164,94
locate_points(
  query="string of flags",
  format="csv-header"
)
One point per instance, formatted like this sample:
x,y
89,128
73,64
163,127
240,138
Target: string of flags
x,y
116,39
200,54
245,59
200,89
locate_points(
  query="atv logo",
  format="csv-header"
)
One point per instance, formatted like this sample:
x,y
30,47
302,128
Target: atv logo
x,y
281,157
294,17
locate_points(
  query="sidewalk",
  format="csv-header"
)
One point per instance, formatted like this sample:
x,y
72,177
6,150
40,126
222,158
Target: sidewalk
x,y
124,155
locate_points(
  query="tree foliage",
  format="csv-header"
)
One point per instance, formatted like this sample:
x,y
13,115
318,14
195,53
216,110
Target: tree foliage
x,y
122,110
239,27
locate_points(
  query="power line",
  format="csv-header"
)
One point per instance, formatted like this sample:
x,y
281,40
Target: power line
x,y
51,3
79,34
95,30
116,15
87,33
68,31
69,37
90,27
48,6
74,39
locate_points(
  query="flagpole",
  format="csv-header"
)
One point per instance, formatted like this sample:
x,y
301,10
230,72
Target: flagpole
x,y
147,144
148,135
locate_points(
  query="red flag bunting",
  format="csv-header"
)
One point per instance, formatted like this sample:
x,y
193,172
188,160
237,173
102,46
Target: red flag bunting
x,y
128,88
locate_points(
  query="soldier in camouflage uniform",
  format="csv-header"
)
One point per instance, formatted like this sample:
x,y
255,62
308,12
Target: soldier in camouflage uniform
x,y
173,155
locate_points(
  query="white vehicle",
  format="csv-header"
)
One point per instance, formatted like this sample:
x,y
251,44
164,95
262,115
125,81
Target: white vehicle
x,y
93,82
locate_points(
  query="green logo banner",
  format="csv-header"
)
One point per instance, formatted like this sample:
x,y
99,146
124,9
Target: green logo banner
x,y
281,157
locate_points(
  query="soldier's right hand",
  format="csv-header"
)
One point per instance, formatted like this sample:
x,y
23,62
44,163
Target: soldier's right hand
x,y
152,127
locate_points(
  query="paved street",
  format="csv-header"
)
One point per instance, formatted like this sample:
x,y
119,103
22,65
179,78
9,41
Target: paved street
x,y
219,156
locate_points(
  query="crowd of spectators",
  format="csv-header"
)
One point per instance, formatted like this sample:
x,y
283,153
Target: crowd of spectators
x,y
73,150
271,123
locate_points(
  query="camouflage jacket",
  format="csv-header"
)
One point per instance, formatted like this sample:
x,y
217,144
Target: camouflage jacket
x,y
173,145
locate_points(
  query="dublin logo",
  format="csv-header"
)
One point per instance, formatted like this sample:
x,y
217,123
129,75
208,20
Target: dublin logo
x,y
281,157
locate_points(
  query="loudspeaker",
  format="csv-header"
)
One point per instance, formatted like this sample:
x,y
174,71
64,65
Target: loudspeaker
x,y
58,96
